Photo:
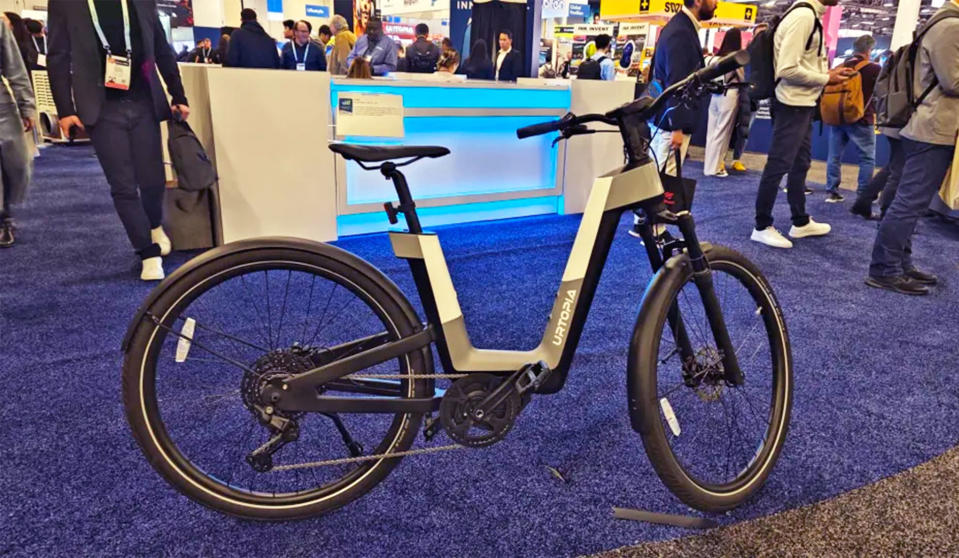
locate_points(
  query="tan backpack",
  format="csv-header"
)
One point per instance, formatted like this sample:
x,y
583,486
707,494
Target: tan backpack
x,y
844,103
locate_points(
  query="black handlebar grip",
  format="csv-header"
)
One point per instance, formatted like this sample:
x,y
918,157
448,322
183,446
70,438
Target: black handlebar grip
x,y
724,65
539,129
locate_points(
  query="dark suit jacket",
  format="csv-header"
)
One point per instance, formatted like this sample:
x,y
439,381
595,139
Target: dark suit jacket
x,y
477,70
512,67
75,61
315,58
678,54
251,47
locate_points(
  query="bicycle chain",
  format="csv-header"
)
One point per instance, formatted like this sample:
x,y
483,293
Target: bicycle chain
x,y
361,458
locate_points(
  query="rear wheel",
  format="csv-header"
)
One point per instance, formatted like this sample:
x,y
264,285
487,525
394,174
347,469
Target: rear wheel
x,y
252,316
712,443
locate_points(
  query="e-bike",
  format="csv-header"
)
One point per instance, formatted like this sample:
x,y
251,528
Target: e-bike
x,y
279,378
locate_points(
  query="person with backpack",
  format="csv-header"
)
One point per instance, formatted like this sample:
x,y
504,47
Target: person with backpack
x,y
790,65
840,106
600,66
423,55
929,143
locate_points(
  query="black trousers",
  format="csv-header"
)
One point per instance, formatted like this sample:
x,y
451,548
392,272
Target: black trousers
x,y
790,153
886,181
127,142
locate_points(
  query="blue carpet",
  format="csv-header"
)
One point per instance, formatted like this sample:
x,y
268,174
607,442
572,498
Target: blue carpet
x,y
876,389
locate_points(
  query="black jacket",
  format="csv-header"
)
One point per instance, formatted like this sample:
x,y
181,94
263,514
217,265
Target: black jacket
x,y
425,49
512,67
75,60
315,58
678,54
474,69
251,47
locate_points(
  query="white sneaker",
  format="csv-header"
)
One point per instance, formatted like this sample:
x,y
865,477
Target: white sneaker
x,y
152,269
771,237
159,237
722,173
811,228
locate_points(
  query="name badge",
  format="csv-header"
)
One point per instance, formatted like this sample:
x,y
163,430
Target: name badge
x,y
117,73
301,66
42,60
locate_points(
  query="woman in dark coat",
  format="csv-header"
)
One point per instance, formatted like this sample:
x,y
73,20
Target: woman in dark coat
x,y
478,65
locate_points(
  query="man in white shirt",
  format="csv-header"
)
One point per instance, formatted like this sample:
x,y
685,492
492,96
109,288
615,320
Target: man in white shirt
x,y
799,52
509,62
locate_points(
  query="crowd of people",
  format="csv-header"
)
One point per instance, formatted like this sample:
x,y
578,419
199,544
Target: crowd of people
x,y
121,110
922,148
336,49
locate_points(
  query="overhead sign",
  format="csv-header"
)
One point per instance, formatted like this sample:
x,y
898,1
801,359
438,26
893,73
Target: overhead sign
x,y
659,11
591,30
393,7
555,8
578,10
317,11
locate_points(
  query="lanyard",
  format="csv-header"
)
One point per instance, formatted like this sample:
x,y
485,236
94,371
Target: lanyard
x,y
126,26
306,53
36,44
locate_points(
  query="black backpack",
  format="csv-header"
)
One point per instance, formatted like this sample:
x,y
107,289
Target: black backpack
x,y
762,70
591,69
193,168
423,60
896,99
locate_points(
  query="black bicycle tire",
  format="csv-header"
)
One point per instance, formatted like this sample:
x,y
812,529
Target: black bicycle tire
x,y
361,274
646,352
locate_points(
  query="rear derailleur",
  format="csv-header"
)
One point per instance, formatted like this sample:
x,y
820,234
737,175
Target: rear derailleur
x,y
480,409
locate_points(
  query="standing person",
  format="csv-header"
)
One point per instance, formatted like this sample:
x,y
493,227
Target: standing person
x,y
21,37
251,46
39,40
449,64
746,115
799,53
222,47
288,29
886,182
360,69
723,110
509,62
302,53
203,53
120,106
863,132
378,49
929,142
17,114
600,66
422,56
325,37
478,65
343,42
401,63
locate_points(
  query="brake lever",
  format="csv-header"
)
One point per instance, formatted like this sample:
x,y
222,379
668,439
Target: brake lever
x,y
578,130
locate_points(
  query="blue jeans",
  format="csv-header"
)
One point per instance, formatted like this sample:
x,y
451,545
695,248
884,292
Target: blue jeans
x,y
925,168
863,136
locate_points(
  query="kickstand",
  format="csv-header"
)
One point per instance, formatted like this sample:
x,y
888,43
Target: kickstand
x,y
355,448
689,522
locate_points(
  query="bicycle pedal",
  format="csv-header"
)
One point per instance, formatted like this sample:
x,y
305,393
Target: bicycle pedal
x,y
532,376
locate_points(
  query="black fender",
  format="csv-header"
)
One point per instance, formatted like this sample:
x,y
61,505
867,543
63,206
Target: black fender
x,y
309,246
645,336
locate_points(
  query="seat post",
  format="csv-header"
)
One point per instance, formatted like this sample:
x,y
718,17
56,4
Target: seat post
x,y
407,207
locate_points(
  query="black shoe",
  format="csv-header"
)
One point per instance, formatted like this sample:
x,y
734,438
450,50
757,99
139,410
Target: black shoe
x,y
864,212
921,277
6,235
834,197
898,284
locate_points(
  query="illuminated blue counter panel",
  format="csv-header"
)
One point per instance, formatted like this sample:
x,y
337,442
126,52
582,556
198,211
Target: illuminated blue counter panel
x,y
489,173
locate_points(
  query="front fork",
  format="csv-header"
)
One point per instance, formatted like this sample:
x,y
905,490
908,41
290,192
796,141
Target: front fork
x,y
703,278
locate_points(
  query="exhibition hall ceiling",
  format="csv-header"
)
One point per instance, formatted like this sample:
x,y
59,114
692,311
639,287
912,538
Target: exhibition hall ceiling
x,y
873,16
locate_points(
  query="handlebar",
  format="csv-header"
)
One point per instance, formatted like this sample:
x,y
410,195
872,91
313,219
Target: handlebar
x,y
724,65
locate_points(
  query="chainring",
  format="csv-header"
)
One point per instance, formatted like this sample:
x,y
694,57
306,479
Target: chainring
x,y
459,403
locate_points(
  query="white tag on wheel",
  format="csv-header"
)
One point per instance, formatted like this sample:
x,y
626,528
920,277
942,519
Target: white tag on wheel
x,y
116,74
183,345
671,419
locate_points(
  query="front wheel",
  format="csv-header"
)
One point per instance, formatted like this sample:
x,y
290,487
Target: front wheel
x,y
712,443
